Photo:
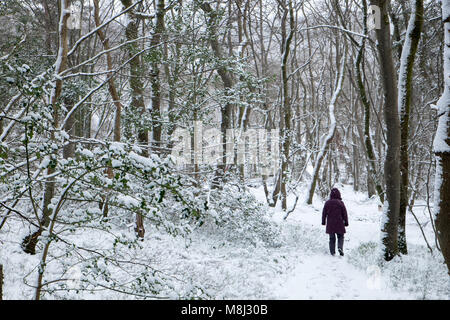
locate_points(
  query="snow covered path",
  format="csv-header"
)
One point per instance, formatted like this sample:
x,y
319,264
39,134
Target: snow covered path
x,y
318,275
326,277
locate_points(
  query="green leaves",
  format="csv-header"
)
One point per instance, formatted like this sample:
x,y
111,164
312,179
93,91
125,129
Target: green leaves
x,y
3,151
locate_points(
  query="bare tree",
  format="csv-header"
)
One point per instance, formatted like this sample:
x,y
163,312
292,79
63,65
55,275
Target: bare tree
x,y
137,88
405,84
29,243
112,88
389,226
331,130
372,159
156,43
442,149
226,77
285,112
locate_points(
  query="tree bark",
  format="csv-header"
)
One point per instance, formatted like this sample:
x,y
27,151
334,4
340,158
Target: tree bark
x,y
155,74
1,282
137,90
371,158
331,131
114,95
286,104
69,127
111,84
227,79
441,148
29,242
136,85
408,56
389,226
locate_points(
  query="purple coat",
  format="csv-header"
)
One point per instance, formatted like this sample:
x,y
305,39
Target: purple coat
x,y
334,213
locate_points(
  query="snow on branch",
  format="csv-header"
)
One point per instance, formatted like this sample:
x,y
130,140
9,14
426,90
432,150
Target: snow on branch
x,y
337,28
79,41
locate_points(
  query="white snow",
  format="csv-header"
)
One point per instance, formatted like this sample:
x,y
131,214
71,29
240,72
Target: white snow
x,y
129,201
300,267
87,153
318,275
323,277
116,163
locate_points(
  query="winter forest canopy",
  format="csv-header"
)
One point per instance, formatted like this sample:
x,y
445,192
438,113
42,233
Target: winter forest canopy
x,y
177,149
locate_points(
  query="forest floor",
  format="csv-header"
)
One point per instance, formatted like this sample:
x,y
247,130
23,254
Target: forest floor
x,y
297,266
359,274
318,275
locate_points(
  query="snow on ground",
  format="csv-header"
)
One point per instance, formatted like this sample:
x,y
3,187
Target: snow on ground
x,y
318,275
297,266
324,277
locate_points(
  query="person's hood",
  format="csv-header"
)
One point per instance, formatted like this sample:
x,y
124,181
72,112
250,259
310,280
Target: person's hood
x,y
335,194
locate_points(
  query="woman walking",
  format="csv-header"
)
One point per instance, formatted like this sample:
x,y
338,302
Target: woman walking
x,y
334,215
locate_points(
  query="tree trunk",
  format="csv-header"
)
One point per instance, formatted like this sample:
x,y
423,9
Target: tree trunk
x,y
114,95
408,56
1,282
157,53
226,111
137,87
441,147
137,90
111,85
331,131
372,170
391,166
30,241
69,127
285,112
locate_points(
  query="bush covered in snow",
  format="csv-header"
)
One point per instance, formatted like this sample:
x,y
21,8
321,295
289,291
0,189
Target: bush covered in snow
x,y
235,214
420,273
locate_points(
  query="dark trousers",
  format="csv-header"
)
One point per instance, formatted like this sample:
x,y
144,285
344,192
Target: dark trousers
x,y
333,242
